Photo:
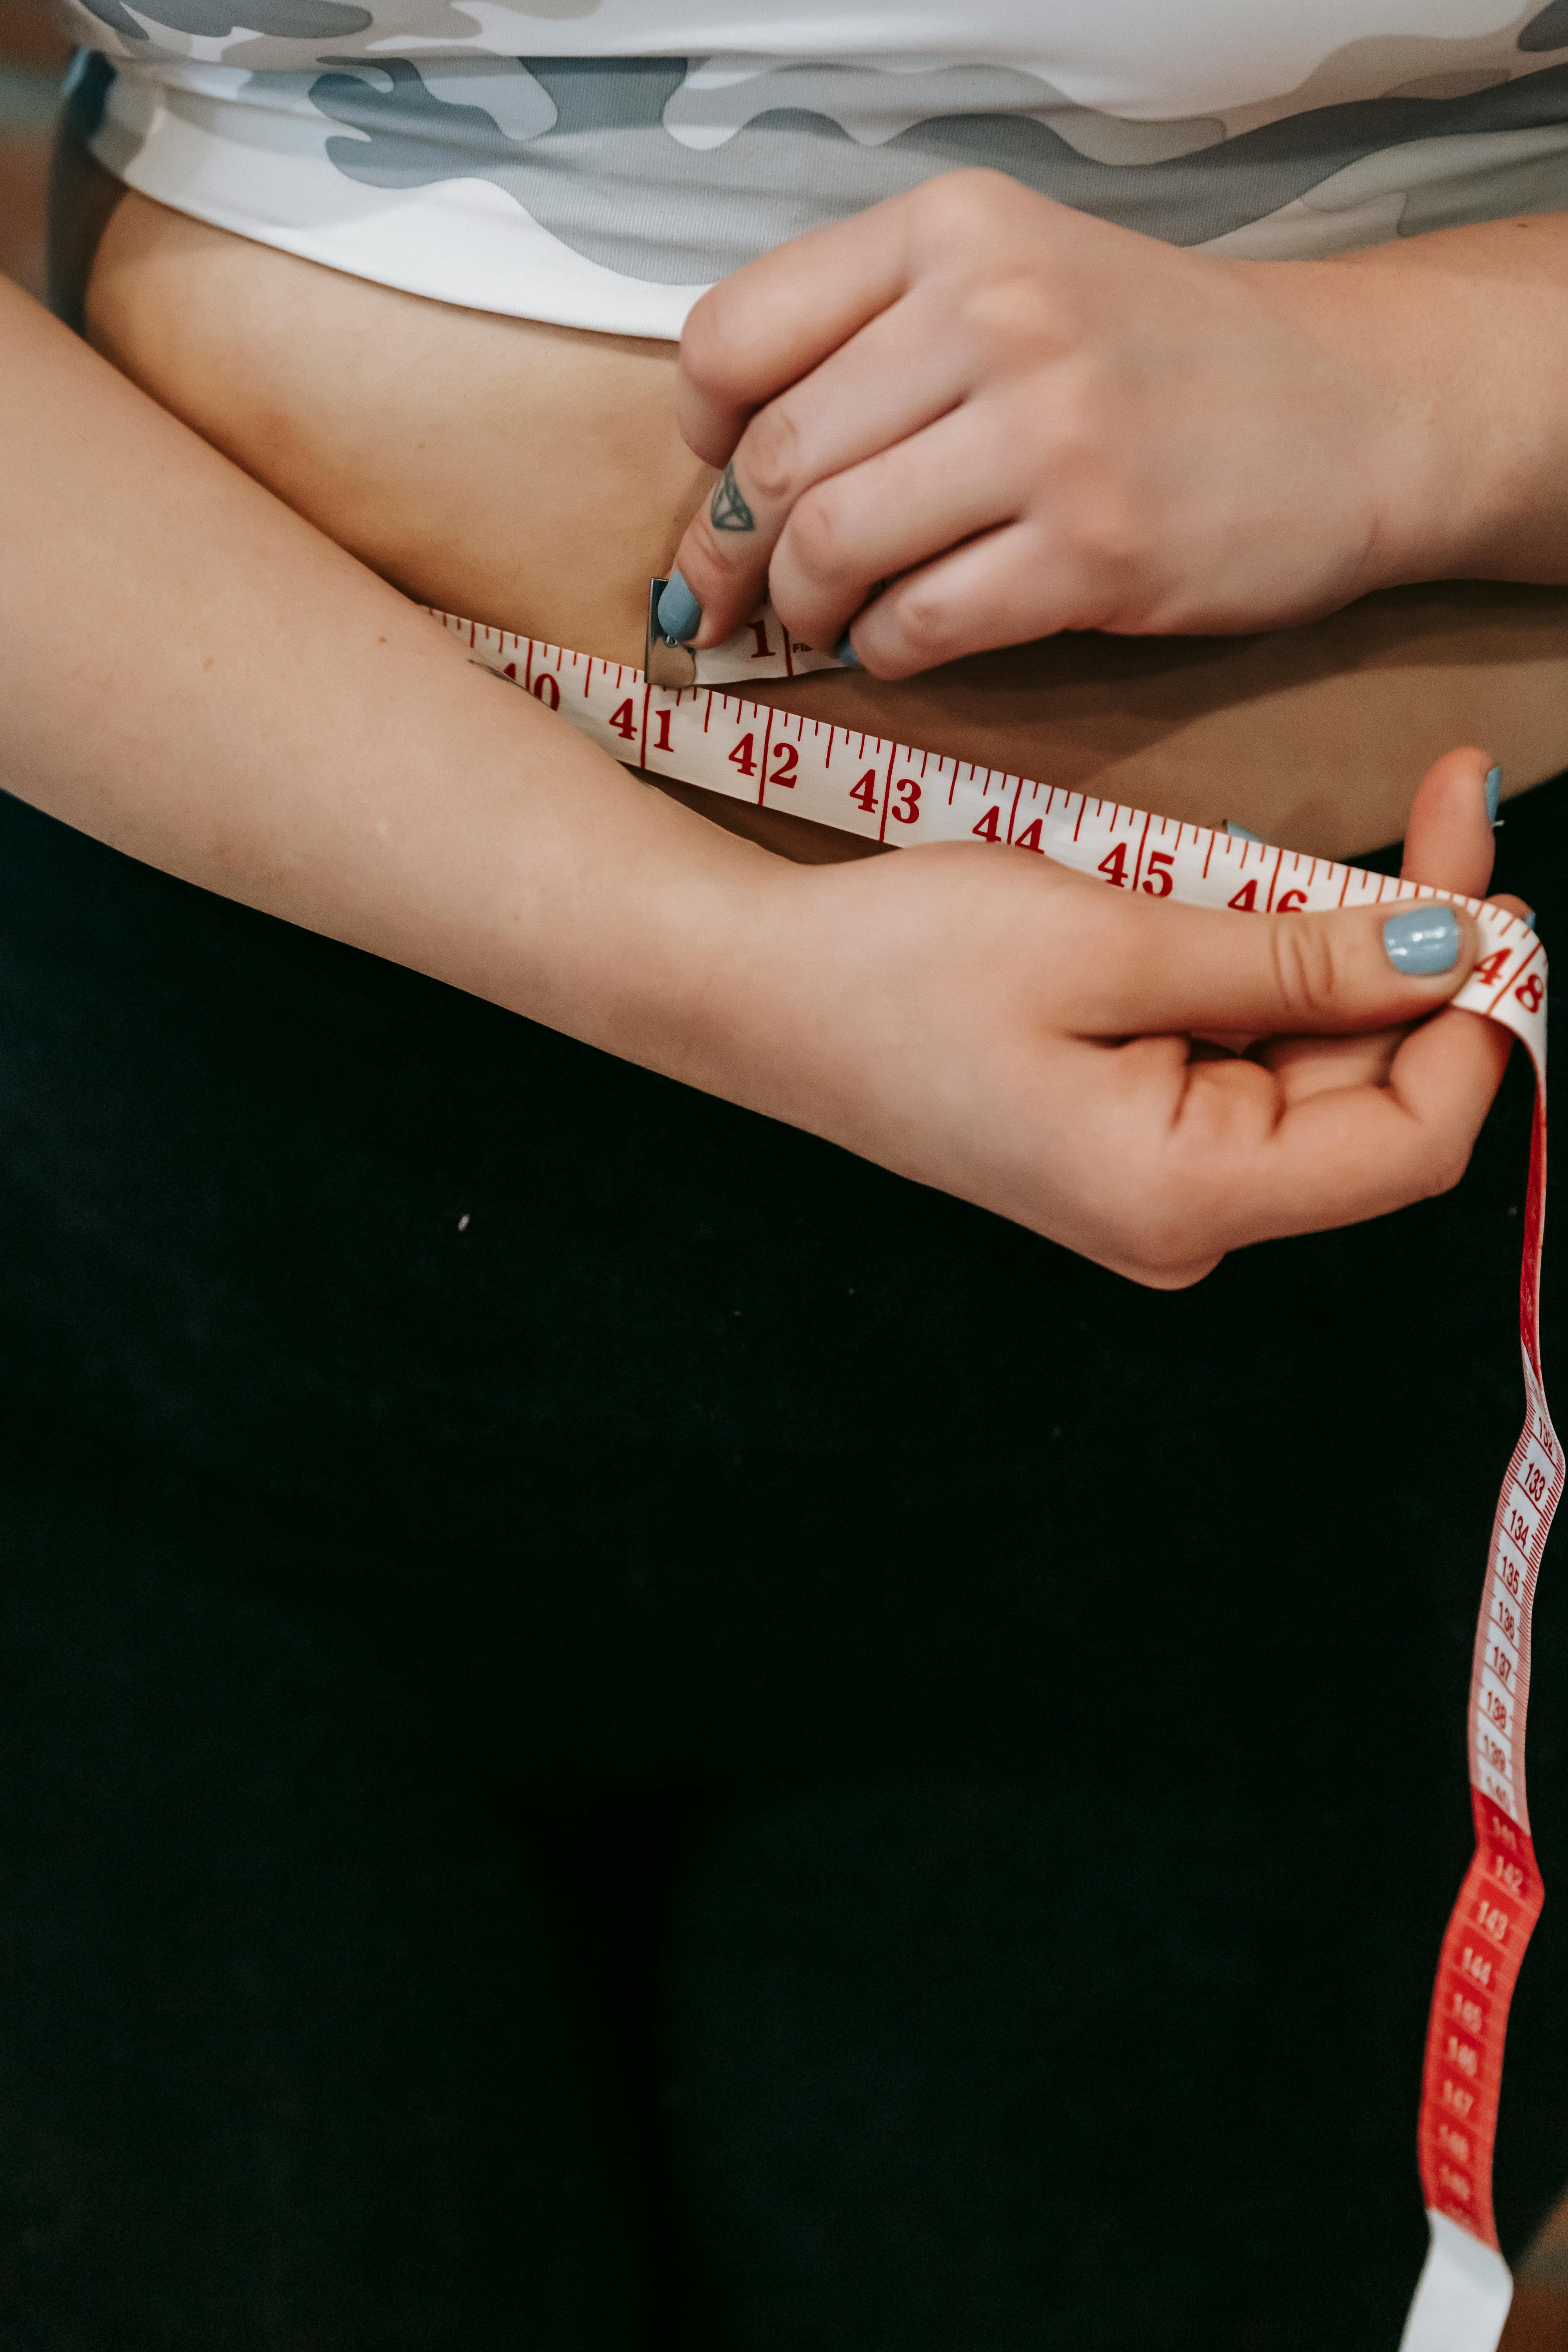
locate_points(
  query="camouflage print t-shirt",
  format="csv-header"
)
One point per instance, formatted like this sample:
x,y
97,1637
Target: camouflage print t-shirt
x,y
601,161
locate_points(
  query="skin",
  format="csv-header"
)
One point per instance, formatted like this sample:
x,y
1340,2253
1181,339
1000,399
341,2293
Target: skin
x,y
272,719
1027,420
567,484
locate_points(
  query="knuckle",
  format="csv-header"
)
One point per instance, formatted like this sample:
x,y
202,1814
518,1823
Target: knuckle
x,y
960,203
1103,574
818,541
1176,1277
1161,1233
795,606
716,350
768,459
1110,536
1444,1169
923,615
1098,489
1006,310
705,562
1301,953
1162,1247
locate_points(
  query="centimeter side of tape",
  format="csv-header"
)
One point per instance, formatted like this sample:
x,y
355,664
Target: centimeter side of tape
x,y
897,795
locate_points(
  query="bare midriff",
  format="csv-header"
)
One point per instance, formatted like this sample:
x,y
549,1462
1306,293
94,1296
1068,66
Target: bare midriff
x,y
531,477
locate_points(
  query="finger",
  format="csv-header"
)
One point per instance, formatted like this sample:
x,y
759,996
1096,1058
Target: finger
x,y
873,394
900,508
771,323
1313,1065
1138,967
1361,1151
1448,844
1448,841
1241,1164
1002,589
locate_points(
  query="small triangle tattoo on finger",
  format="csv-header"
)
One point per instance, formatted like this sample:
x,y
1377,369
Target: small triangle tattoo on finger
x,y
729,511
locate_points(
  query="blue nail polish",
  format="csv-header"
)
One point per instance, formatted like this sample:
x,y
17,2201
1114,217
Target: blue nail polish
x,y
847,653
680,614
1422,940
1239,832
1494,792
1530,916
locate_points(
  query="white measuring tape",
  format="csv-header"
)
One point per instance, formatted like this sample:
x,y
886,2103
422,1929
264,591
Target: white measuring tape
x,y
883,792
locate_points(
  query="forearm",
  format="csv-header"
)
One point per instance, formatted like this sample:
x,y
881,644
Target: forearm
x,y
190,672
1465,334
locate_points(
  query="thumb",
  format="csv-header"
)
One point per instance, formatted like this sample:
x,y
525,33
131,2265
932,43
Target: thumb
x,y
1448,835
1168,968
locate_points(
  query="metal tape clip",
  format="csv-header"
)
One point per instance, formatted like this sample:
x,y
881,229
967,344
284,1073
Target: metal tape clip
x,y
665,663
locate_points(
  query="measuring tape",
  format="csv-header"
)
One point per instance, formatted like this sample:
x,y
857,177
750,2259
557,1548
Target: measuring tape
x,y
692,732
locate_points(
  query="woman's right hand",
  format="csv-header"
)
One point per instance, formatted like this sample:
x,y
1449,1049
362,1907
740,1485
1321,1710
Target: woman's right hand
x,y
1028,1039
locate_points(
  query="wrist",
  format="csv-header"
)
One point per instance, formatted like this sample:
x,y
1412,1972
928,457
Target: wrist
x,y
771,1001
1410,449
1461,336
681,951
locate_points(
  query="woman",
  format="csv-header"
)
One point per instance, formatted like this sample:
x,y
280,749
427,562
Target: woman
x,y
625,1728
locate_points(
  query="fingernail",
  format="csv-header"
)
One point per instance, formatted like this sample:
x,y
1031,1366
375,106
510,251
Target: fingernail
x,y
1530,916
1239,832
1421,940
680,614
847,653
1494,792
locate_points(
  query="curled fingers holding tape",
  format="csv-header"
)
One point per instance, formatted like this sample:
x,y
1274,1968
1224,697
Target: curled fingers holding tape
x,y
1022,419
1024,1037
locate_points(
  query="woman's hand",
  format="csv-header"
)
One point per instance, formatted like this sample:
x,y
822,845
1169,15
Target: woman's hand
x,y
1023,419
1023,1037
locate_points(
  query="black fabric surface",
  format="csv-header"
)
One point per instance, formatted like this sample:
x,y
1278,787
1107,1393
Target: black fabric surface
x,y
731,1755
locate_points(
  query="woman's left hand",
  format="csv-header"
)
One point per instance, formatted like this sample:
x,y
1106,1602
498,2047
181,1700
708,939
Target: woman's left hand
x,y
1022,419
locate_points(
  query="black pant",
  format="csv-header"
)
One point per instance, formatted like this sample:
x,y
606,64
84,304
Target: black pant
x,y
622,1731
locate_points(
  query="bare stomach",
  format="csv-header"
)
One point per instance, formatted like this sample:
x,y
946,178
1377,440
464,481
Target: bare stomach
x,y
531,477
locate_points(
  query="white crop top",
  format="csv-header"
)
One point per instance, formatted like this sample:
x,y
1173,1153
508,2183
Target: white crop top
x,y
600,161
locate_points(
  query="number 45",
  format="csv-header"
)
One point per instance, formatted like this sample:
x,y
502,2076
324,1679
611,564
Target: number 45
x,y
1157,882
